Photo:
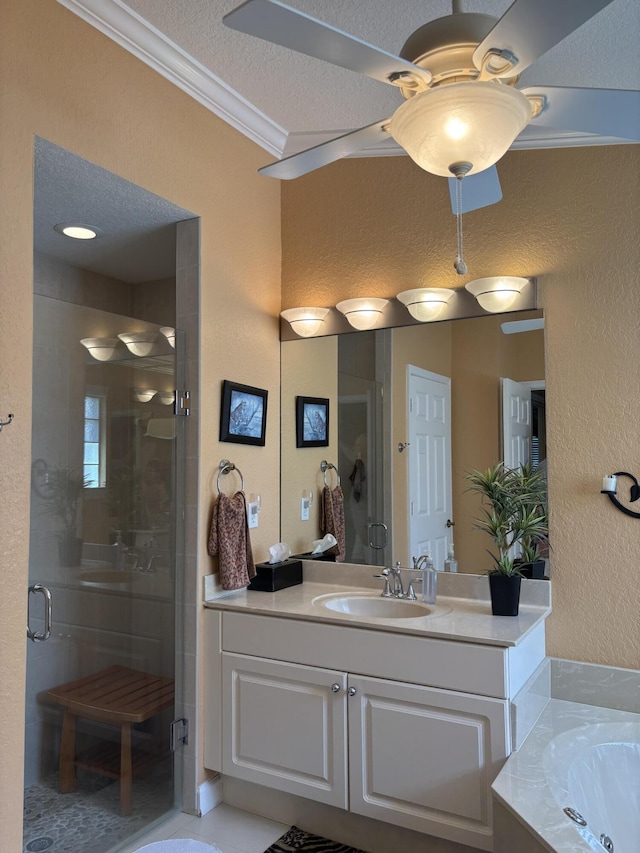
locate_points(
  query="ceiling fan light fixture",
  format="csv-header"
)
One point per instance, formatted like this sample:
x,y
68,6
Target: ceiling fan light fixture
x,y
305,322
425,303
363,313
496,293
138,343
460,122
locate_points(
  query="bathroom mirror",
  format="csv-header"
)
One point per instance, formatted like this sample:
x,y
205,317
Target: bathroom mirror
x,y
390,468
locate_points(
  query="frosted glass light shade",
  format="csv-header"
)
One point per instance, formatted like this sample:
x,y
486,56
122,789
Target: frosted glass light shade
x,y
460,122
425,303
138,343
305,321
496,293
102,349
144,395
170,334
362,313
166,397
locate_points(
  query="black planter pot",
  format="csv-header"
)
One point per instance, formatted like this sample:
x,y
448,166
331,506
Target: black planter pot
x,y
505,594
534,571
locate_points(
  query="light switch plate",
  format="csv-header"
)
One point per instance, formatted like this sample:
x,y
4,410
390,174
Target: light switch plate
x,y
253,511
304,509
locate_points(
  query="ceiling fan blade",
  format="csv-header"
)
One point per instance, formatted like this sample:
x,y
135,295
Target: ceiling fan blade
x,y
529,28
607,112
327,152
273,21
479,190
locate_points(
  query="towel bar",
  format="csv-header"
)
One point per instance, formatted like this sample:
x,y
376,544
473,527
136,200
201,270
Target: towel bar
x,y
327,466
227,467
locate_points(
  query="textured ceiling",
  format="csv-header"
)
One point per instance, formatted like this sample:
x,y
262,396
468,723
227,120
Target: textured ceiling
x,y
302,94
137,240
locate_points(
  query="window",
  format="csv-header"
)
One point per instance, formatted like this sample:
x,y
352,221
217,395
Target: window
x,y
94,450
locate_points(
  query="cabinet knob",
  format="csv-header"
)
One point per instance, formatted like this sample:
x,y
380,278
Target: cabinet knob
x,y
352,691
335,687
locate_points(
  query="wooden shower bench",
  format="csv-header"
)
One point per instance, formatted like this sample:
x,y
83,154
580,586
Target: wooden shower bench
x,y
120,697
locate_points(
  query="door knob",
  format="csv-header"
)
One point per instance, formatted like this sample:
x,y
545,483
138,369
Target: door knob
x,y
352,691
335,687
450,523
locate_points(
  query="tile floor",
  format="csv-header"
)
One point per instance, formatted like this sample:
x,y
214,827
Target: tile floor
x,y
227,828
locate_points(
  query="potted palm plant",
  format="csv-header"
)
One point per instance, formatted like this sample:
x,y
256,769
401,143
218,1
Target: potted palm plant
x,y
515,518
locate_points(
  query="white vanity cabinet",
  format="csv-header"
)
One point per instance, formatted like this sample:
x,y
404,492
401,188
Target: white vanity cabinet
x,y
284,726
369,721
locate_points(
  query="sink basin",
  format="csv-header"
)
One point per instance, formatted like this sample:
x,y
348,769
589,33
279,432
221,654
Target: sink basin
x,y
373,606
109,577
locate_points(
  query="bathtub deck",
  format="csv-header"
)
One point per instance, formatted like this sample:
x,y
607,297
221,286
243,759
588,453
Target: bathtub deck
x,y
526,786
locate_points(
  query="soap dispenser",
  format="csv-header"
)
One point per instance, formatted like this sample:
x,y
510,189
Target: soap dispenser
x,y
429,578
451,564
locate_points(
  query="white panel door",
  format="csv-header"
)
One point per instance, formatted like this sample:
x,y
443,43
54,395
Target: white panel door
x,y
425,758
285,727
516,423
429,461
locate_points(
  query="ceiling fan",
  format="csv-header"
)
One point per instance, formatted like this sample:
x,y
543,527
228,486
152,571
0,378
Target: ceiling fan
x,y
457,75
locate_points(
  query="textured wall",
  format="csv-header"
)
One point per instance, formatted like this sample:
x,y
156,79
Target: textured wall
x,y
570,217
63,81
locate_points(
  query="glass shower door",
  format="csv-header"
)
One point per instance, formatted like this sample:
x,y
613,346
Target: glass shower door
x,y
105,550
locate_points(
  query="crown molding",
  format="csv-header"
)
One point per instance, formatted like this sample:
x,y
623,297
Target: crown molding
x,y
122,25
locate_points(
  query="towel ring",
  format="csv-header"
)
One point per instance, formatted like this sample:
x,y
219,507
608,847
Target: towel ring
x,y
227,467
326,466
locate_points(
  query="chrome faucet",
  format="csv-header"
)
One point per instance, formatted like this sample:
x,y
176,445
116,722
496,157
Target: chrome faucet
x,y
398,589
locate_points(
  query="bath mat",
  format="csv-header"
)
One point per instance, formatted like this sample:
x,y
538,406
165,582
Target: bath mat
x,y
178,845
298,841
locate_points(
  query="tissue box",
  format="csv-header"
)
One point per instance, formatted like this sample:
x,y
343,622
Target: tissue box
x,y
327,558
271,577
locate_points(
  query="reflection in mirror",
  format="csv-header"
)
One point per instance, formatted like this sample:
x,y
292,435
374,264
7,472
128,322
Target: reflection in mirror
x,y
416,408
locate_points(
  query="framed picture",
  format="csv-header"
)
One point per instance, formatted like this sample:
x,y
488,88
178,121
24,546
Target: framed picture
x,y
243,415
312,422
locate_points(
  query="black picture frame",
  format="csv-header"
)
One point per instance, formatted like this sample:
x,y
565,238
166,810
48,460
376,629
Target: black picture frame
x,y
312,422
243,414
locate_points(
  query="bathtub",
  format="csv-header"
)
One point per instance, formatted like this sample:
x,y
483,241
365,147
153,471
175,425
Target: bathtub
x,y
595,771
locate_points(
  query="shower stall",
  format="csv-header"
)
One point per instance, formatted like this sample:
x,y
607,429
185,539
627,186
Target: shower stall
x,y
104,570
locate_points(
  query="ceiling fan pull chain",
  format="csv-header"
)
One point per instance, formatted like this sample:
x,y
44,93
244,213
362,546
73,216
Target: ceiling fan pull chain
x,y
459,170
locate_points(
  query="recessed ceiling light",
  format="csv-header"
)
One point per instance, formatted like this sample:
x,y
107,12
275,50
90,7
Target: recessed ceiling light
x,y
76,230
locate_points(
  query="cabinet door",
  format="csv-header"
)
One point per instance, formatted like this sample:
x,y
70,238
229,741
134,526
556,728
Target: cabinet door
x,y
284,726
425,758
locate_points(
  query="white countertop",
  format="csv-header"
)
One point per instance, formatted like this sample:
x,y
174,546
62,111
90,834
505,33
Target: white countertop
x,y
462,612
531,784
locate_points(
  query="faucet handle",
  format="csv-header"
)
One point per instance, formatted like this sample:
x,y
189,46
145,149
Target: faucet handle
x,y
384,575
411,593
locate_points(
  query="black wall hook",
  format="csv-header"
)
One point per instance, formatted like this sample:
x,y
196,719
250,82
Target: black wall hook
x,y
5,423
633,496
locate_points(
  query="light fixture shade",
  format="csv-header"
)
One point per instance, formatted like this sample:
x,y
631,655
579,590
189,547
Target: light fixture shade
x,y
170,334
102,349
460,122
496,293
166,397
139,343
144,395
362,313
305,321
425,303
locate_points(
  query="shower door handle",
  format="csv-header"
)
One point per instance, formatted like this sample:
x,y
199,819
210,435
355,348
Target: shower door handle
x,y
36,636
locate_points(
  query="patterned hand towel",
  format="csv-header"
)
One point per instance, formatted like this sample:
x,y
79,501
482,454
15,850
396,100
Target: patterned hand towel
x,y
229,540
332,519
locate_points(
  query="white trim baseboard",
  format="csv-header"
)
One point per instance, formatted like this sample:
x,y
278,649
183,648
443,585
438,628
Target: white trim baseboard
x,y
209,795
